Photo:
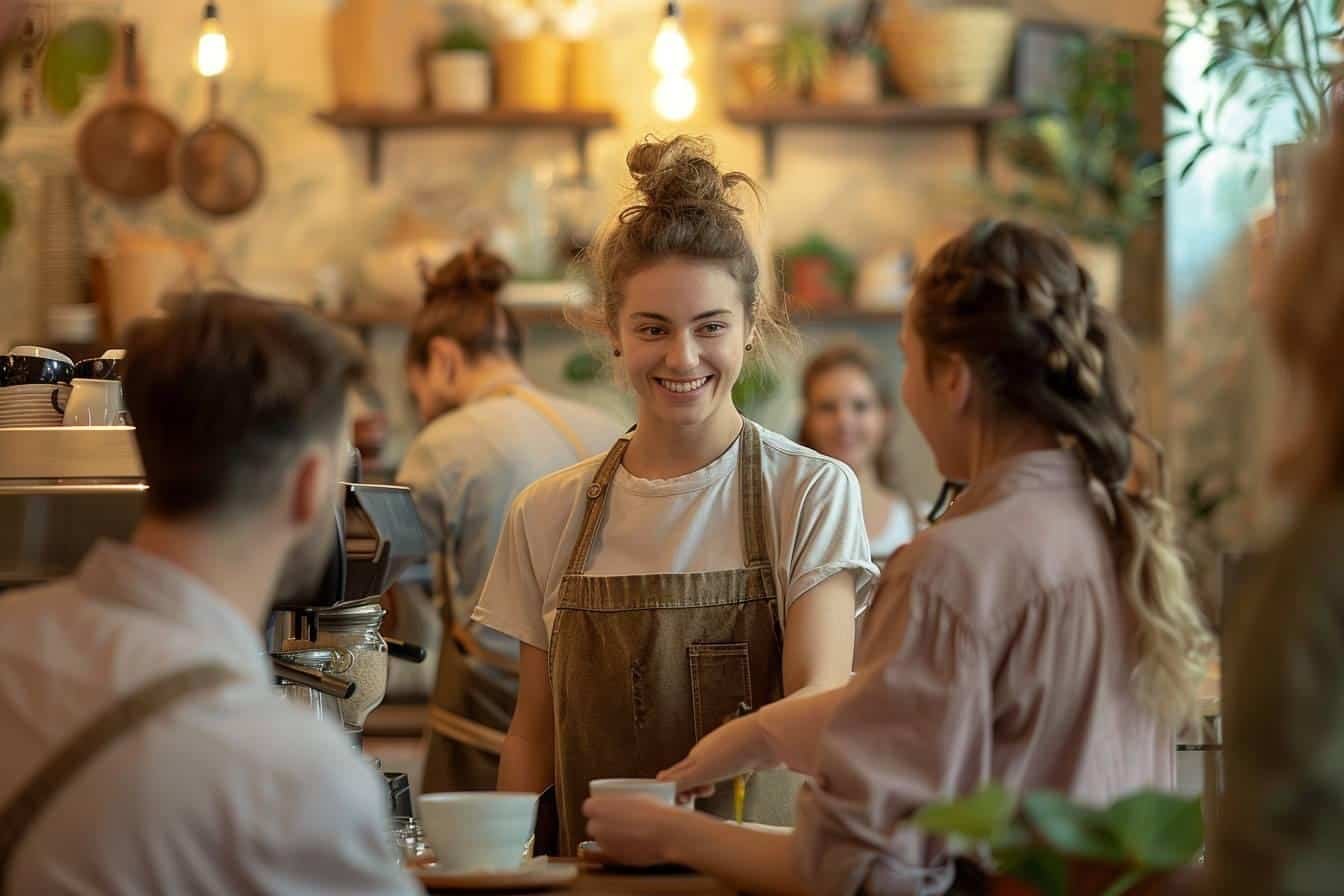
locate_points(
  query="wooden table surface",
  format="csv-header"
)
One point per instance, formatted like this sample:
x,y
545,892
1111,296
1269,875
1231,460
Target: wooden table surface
x,y
595,882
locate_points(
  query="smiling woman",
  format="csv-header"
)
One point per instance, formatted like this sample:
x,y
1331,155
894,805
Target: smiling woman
x,y
704,562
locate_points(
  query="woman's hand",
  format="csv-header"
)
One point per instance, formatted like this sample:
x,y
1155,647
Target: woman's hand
x,y
636,830
735,748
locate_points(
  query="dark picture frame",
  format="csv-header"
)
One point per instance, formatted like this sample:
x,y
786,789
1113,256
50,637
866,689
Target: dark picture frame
x,y
1038,71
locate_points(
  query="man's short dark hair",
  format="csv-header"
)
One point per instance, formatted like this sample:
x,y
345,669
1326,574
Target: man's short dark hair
x,y
225,392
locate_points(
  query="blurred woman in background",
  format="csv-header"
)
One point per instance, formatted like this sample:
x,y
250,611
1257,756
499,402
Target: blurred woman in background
x,y
488,433
849,413
1281,820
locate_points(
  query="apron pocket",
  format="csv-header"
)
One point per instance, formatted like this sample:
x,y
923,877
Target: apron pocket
x,y
720,680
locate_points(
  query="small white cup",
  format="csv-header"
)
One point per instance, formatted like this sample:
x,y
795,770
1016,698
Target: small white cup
x,y
92,403
662,791
478,831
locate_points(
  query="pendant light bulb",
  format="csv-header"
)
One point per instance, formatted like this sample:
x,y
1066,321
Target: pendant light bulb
x,y
675,97
212,50
671,54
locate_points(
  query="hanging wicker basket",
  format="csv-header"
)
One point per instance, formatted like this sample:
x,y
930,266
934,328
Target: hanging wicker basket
x,y
948,55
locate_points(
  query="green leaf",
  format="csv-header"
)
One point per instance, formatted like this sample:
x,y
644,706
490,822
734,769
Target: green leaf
x,y
1194,160
982,816
1042,869
583,367
1173,101
1127,881
80,51
1158,830
1074,830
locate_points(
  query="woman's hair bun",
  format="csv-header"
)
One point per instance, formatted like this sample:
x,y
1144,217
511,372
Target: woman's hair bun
x,y
473,274
676,172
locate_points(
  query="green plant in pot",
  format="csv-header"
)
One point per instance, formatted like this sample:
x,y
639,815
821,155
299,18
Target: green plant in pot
x,y
460,70
800,60
817,274
1266,56
78,54
1047,845
1081,166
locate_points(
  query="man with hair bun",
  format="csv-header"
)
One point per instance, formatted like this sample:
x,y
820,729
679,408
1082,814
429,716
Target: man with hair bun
x,y
487,434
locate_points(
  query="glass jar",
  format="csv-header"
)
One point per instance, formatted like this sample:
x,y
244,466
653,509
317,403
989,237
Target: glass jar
x,y
353,628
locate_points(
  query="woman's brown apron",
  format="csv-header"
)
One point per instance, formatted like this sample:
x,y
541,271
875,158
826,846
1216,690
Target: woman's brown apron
x,y
643,666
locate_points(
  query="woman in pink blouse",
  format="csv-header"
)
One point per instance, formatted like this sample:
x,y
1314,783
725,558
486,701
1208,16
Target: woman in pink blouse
x,y
1042,634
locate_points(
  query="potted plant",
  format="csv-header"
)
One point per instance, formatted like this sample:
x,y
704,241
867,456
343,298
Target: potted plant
x,y
817,274
1081,166
1047,845
1270,52
460,70
853,74
800,60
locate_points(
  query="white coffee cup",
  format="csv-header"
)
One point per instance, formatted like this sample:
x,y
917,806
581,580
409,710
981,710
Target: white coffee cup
x,y
662,791
478,831
92,403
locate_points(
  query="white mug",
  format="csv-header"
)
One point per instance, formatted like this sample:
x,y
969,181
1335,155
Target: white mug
x,y
92,403
662,791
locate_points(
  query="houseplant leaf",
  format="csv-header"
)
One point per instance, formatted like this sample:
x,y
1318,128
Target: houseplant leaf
x,y
1158,830
78,52
983,816
1071,829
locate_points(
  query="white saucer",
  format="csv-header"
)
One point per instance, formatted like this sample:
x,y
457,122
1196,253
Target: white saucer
x,y
538,874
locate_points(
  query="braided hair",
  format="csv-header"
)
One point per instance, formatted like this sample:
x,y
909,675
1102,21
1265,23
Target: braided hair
x,y
1015,304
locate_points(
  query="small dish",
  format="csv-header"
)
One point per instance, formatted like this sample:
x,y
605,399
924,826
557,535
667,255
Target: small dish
x,y
538,874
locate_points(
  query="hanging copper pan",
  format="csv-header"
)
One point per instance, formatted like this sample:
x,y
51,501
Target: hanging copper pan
x,y
219,168
125,148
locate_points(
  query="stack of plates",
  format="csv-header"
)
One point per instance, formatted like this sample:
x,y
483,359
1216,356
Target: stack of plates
x,y
31,405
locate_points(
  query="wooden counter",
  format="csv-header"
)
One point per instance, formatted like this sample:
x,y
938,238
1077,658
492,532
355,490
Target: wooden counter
x,y
602,883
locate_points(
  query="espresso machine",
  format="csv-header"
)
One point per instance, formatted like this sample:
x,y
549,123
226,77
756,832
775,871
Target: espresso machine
x,y
62,488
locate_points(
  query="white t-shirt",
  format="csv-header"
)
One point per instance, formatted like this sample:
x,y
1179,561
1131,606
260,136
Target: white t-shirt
x,y
691,523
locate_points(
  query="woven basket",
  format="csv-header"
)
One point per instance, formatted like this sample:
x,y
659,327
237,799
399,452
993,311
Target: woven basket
x,y
950,56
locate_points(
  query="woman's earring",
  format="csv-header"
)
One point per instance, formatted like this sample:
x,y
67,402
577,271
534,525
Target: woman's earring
x,y
615,353
749,346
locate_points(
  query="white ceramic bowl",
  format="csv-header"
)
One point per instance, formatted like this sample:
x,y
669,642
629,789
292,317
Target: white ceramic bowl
x,y
662,791
478,831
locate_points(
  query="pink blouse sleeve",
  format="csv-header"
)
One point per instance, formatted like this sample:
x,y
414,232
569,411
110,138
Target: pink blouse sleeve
x,y
914,725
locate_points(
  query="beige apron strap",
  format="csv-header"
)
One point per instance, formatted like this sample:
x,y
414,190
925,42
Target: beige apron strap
x,y
753,498
464,730
551,415
597,501
124,716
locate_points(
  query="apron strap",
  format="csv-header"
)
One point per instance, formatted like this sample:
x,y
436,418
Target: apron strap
x,y
597,501
463,730
159,695
753,498
543,407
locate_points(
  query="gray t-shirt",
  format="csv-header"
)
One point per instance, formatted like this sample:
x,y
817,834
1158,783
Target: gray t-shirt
x,y
466,467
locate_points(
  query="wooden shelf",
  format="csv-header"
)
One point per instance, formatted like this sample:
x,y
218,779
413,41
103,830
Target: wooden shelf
x,y
549,315
375,122
888,114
